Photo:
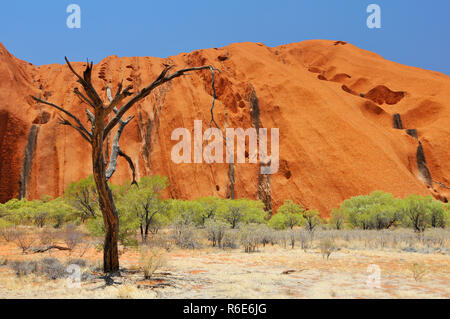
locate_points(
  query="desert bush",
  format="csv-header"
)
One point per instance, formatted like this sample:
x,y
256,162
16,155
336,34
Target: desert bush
x,y
377,210
23,268
215,230
5,223
288,215
24,240
337,219
40,218
327,247
82,263
267,235
210,206
415,212
250,237
241,211
83,197
9,234
186,235
381,210
312,220
50,267
418,270
47,236
282,238
161,240
143,205
436,238
230,239
186,212
292,237
437,218
3,261
127,229
304,238
71,236
151,260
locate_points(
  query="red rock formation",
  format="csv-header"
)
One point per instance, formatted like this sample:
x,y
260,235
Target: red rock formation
x,y
334,143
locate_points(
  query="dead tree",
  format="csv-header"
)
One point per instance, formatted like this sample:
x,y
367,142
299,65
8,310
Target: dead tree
x,y
98,113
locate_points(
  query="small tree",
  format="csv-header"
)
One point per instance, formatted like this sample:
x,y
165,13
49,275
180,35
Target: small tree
x,y
236,211
378,210
144,202
437,213
216,231
278,222
288,215
186,212
312,220
250,237
416,213
24,240
83,197
210,206
72,237
337,219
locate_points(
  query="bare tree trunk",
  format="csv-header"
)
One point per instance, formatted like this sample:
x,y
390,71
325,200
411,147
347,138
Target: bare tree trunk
x,y
107,206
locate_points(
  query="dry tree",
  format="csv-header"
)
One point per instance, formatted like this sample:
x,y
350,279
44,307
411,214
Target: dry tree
x,y
98,113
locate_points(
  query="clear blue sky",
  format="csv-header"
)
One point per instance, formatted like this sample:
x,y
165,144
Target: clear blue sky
x,y
414,32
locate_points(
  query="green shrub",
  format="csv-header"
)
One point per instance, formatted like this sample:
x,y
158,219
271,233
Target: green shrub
x,y
312,220
416,212
83,197
143,202
238,211
375,211
337,219
288,215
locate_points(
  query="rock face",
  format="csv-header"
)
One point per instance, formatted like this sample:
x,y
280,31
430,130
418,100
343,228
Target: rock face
x,y
334,105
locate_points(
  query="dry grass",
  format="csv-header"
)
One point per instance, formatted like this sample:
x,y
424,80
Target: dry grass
x,y
232,273
152,260
327,247
418,270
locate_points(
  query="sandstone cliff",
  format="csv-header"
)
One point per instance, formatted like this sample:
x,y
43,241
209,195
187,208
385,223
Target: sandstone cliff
x,y
350,122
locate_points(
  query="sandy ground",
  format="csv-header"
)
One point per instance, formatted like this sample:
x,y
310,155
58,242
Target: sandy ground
x,y
214,273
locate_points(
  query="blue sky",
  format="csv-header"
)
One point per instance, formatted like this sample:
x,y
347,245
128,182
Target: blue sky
x,y
414,32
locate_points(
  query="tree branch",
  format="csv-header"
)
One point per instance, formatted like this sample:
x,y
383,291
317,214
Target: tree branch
x,y
162,78
80,128
86,82
46,248
116,149
83,97
86,136
91,118
119,97
130,162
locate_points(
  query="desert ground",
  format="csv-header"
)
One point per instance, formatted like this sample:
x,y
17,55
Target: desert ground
x,y
273,271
